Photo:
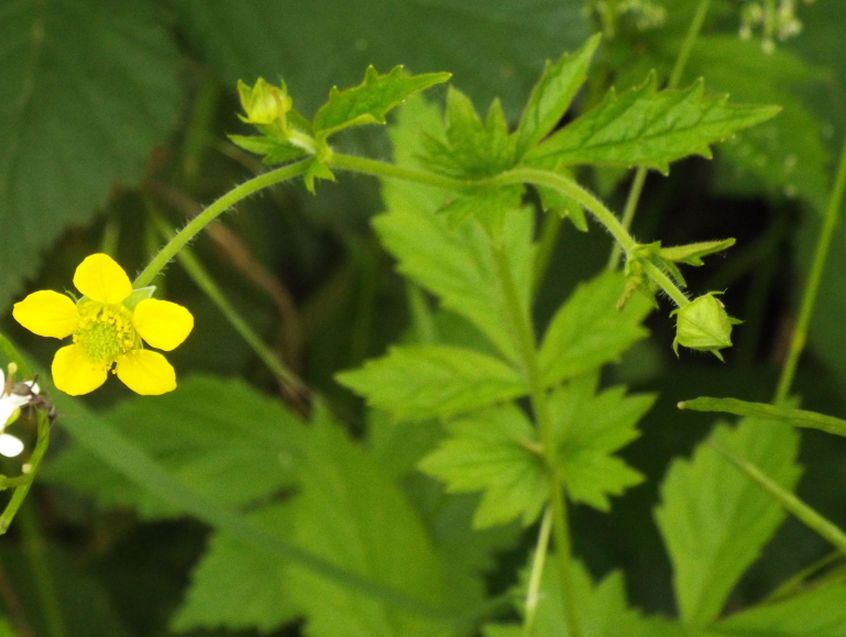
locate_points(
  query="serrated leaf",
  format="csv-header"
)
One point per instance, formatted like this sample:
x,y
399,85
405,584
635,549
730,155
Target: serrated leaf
x,y
429,381
817,613
91,87
590,428
222,438
352,514
501,42
495,451
370,101
552,95
235,587
458,264
646,127
471,149
274,151
715,522
765,411
589,331
692,253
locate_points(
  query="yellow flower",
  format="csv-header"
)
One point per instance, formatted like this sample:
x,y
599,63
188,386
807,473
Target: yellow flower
x,y
108,327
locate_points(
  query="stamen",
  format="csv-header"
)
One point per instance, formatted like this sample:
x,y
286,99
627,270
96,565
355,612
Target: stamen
x,y
105,331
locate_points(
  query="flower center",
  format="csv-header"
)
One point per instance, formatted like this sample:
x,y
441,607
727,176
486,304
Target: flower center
x,y
104,331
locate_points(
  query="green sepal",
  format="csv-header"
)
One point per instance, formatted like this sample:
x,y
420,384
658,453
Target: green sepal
x,y
273,150
692,253
370,101
317,169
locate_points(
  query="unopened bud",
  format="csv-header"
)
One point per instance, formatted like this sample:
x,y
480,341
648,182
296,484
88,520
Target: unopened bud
x,y
703,324
264,103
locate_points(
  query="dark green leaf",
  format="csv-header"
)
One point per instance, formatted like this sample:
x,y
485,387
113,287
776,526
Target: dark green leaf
x,y
495,451
428,381
646,127
91,87
220,437
588,331
370,101
488,46
764,411
714,521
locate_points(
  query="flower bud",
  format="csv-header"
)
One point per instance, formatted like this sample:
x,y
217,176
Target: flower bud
x,y
264,103
703,324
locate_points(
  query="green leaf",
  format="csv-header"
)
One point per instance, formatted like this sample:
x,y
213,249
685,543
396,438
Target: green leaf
x,y
219,437
715,522
765,411
91,87
804,513
352,514
458,264
692,253
428,381
818,613
235,587
501,42
497,452
370,101
646,127
471,149
589,331
274,150
591,427
552,95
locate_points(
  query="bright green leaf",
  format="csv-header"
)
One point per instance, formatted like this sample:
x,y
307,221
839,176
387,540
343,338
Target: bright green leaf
x,y
817,613
765,411
714,521
589,331
274,151
495,451
220,437
235,587
429,381
91,88
458,264
552,95
352,514
470,149
370,101
646,127
692,253
591,427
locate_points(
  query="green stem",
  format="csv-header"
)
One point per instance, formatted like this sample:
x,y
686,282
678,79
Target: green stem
x,y
385,170
536,574
525,338
796,583
221,205
809,298
35,549
20,493
546,247
675,77
206,283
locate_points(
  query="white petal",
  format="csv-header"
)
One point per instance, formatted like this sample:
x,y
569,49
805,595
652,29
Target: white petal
x,y
10,446
7,408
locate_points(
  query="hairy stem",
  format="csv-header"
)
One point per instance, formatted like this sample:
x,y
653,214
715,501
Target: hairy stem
x,y
675,77
809,298
209,214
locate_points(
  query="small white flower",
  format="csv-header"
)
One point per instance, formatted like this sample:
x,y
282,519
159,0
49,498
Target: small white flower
x,y
10,404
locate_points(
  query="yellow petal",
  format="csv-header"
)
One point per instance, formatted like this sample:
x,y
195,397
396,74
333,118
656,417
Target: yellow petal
x,y
146,372
162,324
47,313
100,278
76,374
